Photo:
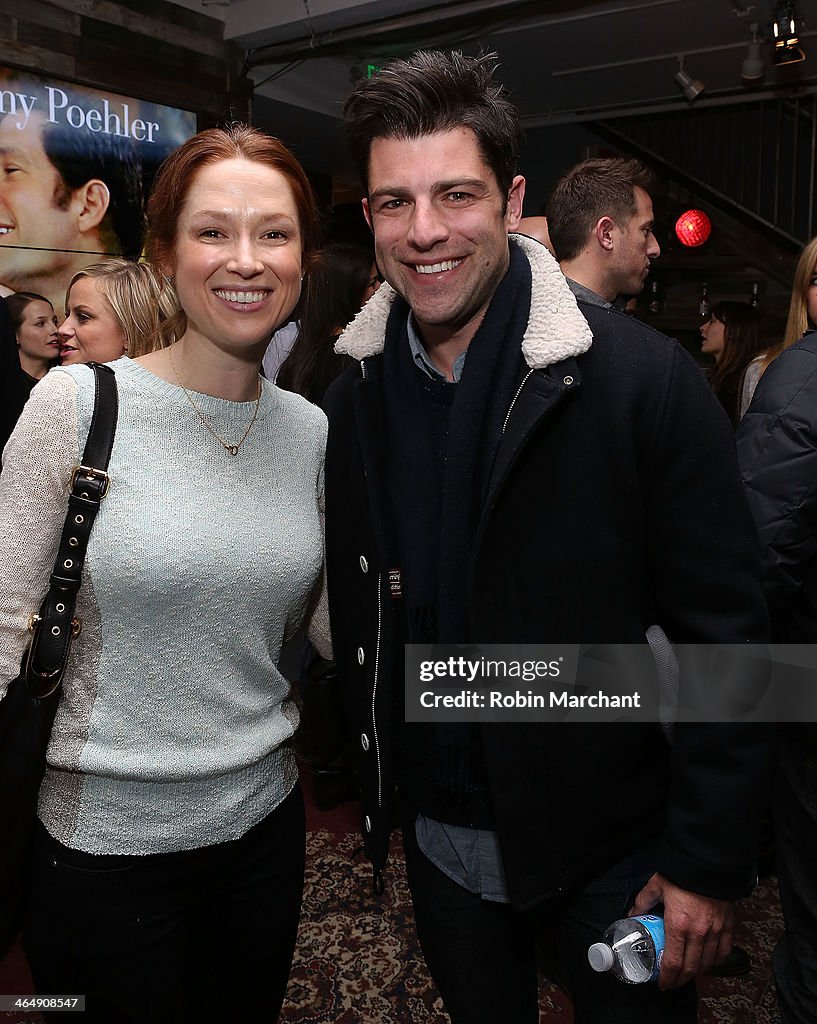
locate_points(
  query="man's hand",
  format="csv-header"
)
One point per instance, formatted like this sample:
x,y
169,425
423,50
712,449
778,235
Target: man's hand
x,y
697,929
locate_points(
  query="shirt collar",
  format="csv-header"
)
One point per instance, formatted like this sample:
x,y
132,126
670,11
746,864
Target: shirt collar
x,y
420,355
594,299
586,295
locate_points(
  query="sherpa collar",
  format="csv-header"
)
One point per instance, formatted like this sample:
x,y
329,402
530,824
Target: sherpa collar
x,y
556,328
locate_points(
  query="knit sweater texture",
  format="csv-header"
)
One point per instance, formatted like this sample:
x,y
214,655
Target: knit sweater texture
x,y
173,724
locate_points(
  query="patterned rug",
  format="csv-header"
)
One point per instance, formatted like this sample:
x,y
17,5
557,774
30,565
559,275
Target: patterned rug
x,y
357,959
750,999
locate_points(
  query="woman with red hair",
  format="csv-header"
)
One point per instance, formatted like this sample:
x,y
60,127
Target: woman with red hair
x,y
168,862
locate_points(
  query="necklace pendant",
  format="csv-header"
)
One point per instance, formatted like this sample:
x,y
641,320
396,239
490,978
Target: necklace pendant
x,y
231,449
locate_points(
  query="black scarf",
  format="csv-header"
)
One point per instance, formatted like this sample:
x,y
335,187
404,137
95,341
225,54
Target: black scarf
x,y
437,479
436,518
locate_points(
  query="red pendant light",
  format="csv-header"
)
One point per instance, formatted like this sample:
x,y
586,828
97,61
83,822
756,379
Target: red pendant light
x,y
693,228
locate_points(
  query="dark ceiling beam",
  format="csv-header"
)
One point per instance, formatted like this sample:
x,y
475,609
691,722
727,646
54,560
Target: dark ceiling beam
x,y
437,22
723,98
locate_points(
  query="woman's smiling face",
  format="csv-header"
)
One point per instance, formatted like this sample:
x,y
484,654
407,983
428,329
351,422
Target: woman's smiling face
x,y
236,262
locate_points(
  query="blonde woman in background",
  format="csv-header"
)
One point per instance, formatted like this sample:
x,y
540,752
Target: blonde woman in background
x,y
777,450
802,317
114,308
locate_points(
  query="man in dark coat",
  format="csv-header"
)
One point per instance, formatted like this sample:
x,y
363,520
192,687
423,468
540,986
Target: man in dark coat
x,y
777,451
601,224
505,466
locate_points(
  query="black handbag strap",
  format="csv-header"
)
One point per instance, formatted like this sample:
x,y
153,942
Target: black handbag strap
x,y
55,626
99,443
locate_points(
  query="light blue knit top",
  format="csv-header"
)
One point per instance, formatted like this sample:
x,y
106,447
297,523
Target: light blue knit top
x,y
172,729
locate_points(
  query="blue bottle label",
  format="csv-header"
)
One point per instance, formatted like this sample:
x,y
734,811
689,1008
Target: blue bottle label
x,y
655,926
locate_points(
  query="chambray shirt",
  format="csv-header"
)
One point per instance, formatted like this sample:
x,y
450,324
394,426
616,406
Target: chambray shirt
x,y
468,856
420,356
593,298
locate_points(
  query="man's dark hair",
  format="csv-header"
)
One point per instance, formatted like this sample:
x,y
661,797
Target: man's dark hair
x,y
432,91
589,191
78,155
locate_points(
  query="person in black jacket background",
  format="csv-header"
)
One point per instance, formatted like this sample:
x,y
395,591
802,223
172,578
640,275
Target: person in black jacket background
x,y
777,450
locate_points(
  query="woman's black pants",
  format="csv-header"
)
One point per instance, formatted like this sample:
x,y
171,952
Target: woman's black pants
x,y
204,934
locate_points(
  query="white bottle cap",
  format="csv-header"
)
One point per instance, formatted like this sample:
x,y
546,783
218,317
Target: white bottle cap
x,y
600,956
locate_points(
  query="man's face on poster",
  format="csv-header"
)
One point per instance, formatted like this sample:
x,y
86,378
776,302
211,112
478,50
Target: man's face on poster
x,y
37,215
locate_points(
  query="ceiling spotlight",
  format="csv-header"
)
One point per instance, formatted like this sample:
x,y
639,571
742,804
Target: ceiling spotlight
x,y
754,67
786,25
692,87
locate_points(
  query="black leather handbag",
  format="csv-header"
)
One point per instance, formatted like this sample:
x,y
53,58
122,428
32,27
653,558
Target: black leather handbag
x,y
28,709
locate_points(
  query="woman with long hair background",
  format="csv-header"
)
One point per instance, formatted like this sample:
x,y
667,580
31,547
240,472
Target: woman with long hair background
x,y
731,336
342,278
35,330
777,450
802,317
29,347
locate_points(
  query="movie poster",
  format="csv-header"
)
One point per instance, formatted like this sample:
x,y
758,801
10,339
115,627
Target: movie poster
x,y
76,166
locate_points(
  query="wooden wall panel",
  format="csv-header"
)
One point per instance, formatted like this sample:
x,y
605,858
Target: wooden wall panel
x,y
158,26
33,58
51,39
44,14
148,49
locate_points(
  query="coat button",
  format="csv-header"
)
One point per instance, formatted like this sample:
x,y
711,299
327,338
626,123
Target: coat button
x,y
568,380
364,741
367,823
364,565
361,657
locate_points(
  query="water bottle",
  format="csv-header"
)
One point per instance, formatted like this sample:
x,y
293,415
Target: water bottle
x,y
632,949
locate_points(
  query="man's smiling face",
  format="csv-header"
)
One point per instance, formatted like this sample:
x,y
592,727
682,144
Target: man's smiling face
x,y
440,226
36,213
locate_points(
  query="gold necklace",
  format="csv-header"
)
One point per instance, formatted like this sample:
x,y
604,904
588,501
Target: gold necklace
x,y
232,449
